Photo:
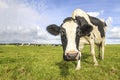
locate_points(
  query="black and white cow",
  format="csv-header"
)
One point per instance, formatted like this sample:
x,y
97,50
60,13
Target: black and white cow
x,y
77,30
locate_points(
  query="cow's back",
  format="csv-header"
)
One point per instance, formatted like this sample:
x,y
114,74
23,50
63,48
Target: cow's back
x,y
99,25
99,28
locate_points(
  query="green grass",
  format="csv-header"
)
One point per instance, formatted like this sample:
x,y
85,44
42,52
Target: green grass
x,y
46,63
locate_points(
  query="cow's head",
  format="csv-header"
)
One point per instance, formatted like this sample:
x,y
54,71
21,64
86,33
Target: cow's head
x,y
71,30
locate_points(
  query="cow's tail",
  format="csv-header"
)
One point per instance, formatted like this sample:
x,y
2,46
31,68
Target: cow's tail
x,y
105,25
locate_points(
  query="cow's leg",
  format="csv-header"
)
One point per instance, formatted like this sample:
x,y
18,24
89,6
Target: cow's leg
x,y
92,49
78,65
102,52
99,46
102,46
79,62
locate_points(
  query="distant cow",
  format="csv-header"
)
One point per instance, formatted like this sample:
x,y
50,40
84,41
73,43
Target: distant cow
x,y
77,30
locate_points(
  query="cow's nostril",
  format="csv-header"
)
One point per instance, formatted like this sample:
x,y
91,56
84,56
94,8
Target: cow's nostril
x,y
72,55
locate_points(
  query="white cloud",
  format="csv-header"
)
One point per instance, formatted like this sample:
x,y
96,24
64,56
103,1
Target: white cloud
x,y
96,14
113,41
17,22
114,33
3,5
20,21
109,21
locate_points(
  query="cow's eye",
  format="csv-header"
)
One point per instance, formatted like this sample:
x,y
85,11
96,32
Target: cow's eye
x,y
62,32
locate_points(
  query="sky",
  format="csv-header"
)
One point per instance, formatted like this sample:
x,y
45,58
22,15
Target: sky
x,y
25,21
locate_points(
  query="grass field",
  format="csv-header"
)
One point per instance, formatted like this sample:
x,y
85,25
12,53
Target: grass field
x,y
46,63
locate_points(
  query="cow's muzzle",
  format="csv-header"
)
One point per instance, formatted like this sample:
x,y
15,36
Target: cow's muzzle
x,y
71,56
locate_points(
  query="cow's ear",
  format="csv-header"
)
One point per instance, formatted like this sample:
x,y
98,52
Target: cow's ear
x,y
85,30
53,29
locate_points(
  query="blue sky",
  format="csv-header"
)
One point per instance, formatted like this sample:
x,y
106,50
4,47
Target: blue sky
x,y
25,21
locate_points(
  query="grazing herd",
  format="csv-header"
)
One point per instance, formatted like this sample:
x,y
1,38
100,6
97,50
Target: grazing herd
x,y
77,30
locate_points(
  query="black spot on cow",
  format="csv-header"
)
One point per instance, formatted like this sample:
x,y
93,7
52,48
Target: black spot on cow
x,y
99,24
81,20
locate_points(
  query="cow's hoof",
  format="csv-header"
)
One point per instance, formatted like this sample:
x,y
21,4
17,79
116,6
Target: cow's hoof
x,y
96,64
78,68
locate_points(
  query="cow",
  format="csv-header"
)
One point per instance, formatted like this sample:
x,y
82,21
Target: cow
x,y
77,30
